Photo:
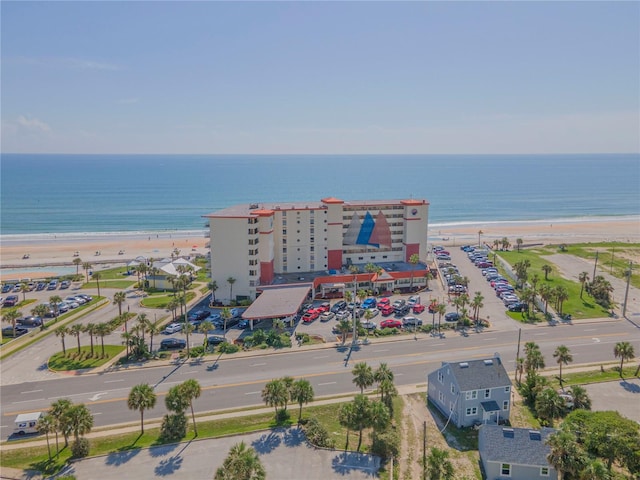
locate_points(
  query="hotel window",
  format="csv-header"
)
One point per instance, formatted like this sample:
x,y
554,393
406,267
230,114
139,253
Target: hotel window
x,y
472,411
505,469
505,405
440,376
487,393
312,248
252,283
284,222
312,231
284,241
252,273
544,471
312,239
472,394
284,231
284,259
284,250
312,266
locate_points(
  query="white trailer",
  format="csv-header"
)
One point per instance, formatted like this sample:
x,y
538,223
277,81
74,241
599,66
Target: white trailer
x,y
27,423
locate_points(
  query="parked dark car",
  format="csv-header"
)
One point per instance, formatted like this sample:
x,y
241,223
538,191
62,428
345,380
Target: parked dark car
x,y
198,315
341,305
31,321
171,343
215,340
517,307
7,287
411,322
452,317
10,301
8,331
402,311
41,286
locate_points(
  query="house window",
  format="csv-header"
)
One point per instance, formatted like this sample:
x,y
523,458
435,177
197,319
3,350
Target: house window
x,y
472,411
505,469
440,376
441,397
453,388
487,393
505,405
507,388
451,406
471,395
544,471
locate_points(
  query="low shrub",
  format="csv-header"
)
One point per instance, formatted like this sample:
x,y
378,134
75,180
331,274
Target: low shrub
x,y
386,444
80,448
226,347
283,416
195,352
385,332
317,434
174,427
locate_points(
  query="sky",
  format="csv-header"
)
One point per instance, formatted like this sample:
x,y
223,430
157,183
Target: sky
x,y
320,77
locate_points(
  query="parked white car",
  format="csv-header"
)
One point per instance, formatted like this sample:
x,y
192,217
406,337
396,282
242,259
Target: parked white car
x,y
173,328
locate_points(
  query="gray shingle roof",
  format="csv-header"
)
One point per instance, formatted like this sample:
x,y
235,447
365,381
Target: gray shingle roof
x,y
519,446
479,374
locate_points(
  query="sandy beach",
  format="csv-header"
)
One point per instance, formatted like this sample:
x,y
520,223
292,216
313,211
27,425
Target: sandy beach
x,y
59,250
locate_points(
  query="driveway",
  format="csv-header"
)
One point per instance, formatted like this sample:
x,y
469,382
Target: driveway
x,y
622,396
283,452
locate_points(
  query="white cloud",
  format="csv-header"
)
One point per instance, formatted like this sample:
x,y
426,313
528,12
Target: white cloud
x,y
31,124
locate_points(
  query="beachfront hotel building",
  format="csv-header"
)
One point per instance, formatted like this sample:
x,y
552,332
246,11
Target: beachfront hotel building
x,y
259,245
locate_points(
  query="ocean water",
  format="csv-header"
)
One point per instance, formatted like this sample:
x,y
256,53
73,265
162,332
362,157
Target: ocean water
x,y
132,193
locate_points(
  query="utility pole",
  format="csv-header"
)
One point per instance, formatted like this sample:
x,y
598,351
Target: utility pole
x,y
626,293
594,268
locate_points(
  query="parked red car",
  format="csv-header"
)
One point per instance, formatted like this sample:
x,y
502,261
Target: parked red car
x,y
418,308
386,310
310,316
391,323
384,301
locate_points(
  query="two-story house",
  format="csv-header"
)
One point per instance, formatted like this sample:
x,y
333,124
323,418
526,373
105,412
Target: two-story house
x,y
472,392
508,453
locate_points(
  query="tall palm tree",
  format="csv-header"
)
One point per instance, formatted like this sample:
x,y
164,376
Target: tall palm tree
x,y
362,376
61,332
346,417
97,276
188,329
77,262
47,424
118,299
103,329
54,300
153,329
58,411
561,294
274,394
379,417
76,330
519,243
231,281
580,397
534,359
24,289
583,278
41,311
413,261
242,463
547,269
549,405
86,266
213,286
344,327
90,328
12,317
80,420
141,397
624,351
477,304
301,392
546,294
565,455
441,309
225,314
191,390
361,415
562,356
143,324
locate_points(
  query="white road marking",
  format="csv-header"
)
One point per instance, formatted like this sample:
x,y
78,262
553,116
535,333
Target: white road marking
x,y
326,383
97,396
25,401
494,338
591,330
258,365
378,351
252,393
114,381
30,391
189,372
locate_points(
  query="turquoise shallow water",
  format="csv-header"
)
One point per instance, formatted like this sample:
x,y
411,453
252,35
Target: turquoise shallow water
x,y
131,193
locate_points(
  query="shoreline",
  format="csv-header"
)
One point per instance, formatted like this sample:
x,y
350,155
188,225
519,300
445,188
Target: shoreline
x,y
103,250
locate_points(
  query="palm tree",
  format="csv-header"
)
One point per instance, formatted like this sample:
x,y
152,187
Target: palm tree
x,y
58,411
583,278
519,368
362,375
213,286
47,424
24,289
87,267
566,454
623,350
191,390
153,329
547,270
54,301
546,293
301,392
561,294
12,317
562,355
274,394
477,304
225,314
534,360
580,397
76,330
188,329
103,329
90,328
549,405
141,397
361,415
505,243
413,260
61,332
231,281
143,323
344,327
41,311
439,467
519,243
595,470
441,309
346,419
97,276
379,417
118,299
80,420
242,463
77,262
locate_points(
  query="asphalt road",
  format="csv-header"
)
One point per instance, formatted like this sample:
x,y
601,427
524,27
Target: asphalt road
x,y
236,382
